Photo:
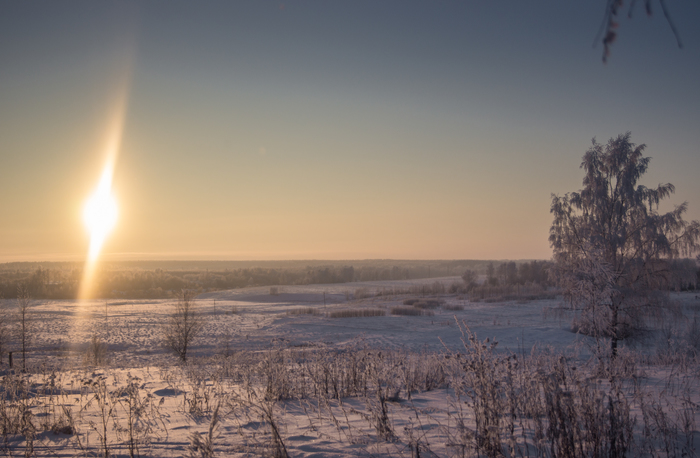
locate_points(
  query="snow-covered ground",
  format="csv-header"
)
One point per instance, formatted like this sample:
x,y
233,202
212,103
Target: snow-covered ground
x,y
252,318
244,321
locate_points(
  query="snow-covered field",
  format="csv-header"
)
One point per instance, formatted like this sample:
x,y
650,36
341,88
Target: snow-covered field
x,y
254,319
283,381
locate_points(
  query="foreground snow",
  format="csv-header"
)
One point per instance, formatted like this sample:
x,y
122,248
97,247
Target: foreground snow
x,y
262,380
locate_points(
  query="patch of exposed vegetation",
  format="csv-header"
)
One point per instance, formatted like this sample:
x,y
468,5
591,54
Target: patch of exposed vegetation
x,y
356,313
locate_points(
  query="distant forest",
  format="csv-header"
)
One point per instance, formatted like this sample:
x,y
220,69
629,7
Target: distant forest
x,y
160,279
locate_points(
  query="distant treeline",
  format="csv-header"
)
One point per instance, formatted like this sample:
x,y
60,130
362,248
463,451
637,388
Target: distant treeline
x,y
681,274
510,273
130,280
153,279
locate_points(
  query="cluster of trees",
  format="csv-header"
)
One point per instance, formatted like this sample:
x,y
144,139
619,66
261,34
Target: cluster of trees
x,y
679,275
511,274
60,283
683,275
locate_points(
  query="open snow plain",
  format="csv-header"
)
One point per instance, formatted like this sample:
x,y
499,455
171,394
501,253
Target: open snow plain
x,y
274,373
253,319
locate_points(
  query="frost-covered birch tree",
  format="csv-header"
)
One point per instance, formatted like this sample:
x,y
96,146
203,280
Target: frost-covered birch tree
x,y
611,245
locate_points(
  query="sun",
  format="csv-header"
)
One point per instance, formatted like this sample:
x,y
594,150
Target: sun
x,y
100,213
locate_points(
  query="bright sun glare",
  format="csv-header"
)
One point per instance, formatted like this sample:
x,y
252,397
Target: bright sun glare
x,y
100,213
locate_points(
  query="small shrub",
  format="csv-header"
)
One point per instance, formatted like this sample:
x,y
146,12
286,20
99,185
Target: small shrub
x,y
410,311
357,313
274,291
438,287
96,353
429,304
424,289
361,293
303,311
393,291
457,288
693,334
409,301
184,326
63,424
594,325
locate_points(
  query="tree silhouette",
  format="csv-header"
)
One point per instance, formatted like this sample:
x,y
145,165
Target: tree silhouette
x,y
611,245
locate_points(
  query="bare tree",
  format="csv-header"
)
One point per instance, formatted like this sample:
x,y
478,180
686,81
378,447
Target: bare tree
x,y
24,327
490,275
611,245
470,278
184,325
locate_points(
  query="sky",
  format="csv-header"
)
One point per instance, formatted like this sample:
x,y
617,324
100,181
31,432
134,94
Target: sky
x,y
328,129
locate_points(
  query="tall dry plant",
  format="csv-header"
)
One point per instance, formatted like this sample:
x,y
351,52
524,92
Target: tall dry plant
x,y
203,446
23,323
4,331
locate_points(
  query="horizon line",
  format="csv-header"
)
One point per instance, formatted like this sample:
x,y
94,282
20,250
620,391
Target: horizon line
x,y
80,260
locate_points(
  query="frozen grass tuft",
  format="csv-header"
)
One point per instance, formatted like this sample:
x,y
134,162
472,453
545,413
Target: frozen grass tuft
x,y
423,303
427,304
303,311
361,293
484,401
356,313
410,311
493,403
489,294
96,353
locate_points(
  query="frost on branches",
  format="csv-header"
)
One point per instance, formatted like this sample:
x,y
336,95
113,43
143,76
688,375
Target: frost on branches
x,y
612,248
